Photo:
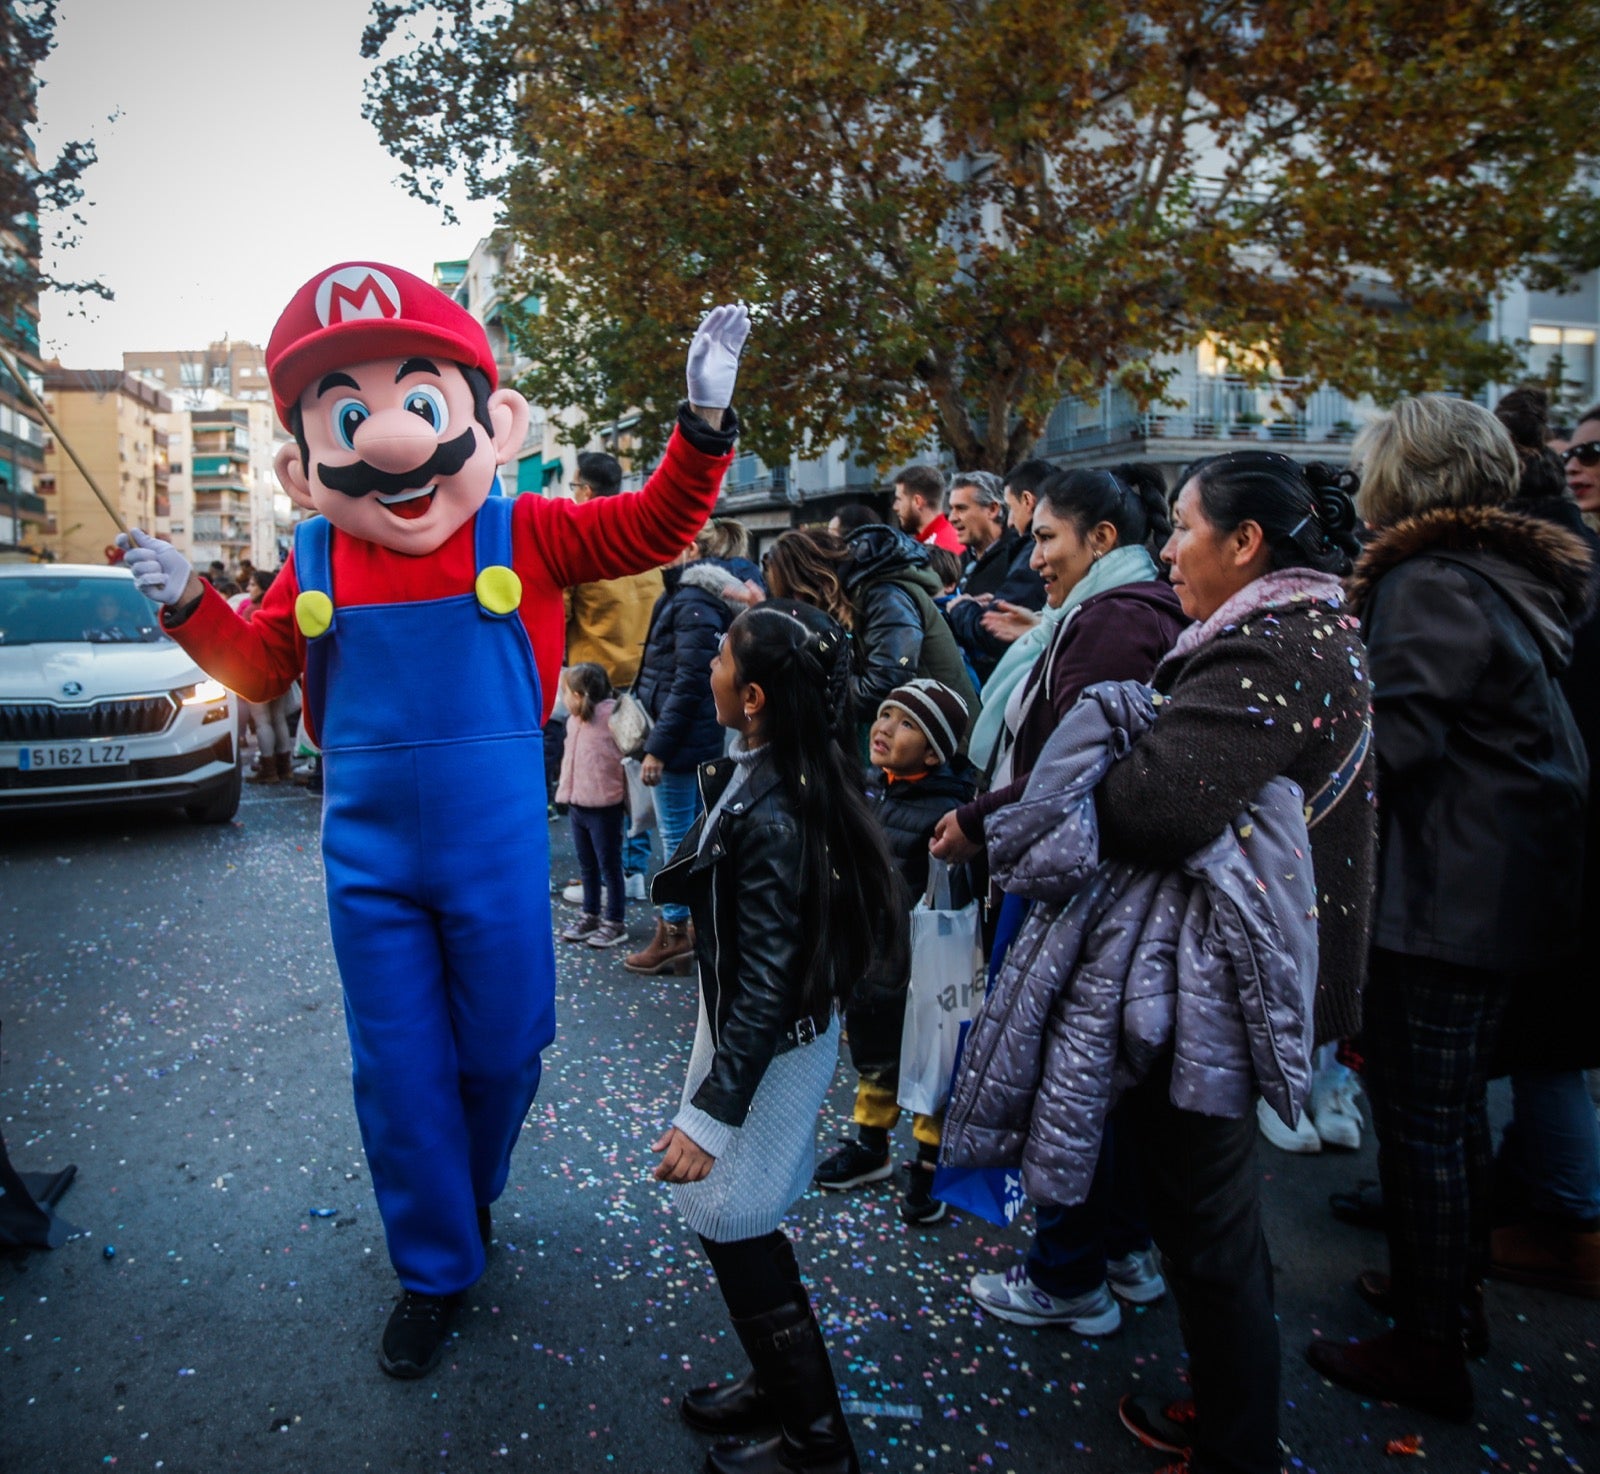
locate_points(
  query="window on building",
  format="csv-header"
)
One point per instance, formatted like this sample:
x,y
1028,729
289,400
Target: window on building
x,y
220,377
1564,359
192,375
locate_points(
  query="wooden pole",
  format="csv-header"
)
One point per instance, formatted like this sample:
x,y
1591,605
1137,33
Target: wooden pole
x,y
15,370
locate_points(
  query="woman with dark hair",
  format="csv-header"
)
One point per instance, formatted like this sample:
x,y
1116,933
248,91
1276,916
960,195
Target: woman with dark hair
x,y
879,587
808,564
778,873
1270,681
1111,619
1467,607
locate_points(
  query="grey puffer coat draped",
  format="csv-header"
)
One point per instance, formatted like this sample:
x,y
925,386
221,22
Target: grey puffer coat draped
x,y
1118,965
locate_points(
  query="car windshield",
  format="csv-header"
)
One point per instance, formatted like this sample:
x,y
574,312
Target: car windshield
x,y
74,608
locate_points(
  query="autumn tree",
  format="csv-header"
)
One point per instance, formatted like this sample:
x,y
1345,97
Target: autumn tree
x,y
27,188
946,214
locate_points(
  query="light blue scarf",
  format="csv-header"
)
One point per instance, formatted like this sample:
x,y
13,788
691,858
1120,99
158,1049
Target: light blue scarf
x,y
1119,566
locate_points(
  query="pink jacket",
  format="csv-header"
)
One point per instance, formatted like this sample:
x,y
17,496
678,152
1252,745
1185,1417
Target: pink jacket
x,y
591,766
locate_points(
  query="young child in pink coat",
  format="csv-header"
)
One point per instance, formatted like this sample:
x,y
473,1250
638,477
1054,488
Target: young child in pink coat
x,y
594,788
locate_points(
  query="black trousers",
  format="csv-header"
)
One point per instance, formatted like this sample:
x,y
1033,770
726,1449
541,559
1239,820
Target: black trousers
x,y
756,1275
1203,1198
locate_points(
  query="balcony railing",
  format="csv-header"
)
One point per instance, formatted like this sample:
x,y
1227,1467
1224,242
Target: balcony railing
x,y
1203,407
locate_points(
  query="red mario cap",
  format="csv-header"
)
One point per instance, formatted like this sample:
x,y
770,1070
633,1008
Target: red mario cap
x,y
358,311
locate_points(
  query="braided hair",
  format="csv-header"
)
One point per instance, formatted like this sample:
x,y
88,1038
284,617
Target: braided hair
x,y
800,658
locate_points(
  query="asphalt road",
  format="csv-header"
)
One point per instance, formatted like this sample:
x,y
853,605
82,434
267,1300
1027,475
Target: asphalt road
x,y
172,1025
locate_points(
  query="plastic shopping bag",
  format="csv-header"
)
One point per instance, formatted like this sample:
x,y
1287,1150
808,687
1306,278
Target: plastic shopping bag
x,y
641,800
946,985
991,1193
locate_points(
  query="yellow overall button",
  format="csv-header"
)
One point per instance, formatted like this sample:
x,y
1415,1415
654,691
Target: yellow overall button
x,y
499,590
313,612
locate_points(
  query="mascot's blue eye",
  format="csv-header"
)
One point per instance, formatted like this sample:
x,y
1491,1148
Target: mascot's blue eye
x,y
347,417
429,405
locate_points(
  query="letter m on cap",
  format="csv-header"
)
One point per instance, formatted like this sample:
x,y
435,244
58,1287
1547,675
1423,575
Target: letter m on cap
x,y
356,292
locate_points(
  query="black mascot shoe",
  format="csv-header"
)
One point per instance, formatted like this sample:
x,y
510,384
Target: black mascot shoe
x,y
414,1339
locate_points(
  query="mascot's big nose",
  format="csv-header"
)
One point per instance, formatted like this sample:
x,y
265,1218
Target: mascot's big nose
x,y
395,440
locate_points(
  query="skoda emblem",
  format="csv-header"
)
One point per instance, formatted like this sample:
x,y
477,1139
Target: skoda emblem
x,y
72,688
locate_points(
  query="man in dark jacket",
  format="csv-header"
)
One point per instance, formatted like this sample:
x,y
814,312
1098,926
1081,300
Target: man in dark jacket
x,y
996,569
914,745
898,630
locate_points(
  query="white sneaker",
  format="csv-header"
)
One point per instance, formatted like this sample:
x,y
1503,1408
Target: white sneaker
x,y
573,895
1014,1297
1303,1140
1335,1092
1135,1278
633,887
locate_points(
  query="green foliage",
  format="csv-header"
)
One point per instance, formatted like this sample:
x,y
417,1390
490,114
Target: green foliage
x,y
945,214
27,190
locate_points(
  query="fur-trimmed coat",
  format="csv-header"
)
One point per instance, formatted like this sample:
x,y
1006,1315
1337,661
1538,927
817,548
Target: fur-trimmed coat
x,y
1482,779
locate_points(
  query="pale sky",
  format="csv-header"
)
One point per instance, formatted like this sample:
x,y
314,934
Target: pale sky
x,y
239,165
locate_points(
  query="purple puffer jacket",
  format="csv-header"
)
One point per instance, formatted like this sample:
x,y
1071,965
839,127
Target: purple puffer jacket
x,y
1119,965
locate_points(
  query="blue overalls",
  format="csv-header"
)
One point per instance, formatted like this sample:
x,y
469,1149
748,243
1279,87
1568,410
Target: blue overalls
x,y
435,847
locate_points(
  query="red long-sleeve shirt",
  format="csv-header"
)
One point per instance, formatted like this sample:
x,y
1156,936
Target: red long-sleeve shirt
x,y
554,544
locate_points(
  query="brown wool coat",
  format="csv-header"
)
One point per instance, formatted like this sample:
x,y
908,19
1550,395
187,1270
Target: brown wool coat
x,y
1286,693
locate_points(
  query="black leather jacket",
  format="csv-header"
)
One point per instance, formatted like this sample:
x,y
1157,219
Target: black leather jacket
x,y
742,889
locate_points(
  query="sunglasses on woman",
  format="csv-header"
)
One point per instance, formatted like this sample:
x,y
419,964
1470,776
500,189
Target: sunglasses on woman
x,y
1586,454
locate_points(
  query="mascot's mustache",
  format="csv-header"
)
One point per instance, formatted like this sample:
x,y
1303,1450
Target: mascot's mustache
x,y
358,478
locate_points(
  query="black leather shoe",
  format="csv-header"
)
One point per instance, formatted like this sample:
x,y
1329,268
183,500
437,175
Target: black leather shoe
x,y
418,1330
730,1408
485,1226
1363,1207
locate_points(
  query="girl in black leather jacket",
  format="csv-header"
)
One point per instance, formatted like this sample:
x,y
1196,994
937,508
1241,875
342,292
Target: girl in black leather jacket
x,y
776,874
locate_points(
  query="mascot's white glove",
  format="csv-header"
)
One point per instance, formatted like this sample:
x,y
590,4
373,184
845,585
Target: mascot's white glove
x,y
714,356
160,572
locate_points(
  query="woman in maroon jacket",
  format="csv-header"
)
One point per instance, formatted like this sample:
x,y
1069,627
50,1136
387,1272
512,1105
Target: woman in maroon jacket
x,y
1092,533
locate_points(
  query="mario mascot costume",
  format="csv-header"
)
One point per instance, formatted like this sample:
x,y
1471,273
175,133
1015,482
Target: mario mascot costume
x,y
426,616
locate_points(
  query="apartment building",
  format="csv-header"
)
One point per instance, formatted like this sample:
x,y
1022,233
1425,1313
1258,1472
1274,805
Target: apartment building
x,y
112,420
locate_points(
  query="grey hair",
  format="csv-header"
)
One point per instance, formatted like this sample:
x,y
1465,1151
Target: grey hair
x,y
990,489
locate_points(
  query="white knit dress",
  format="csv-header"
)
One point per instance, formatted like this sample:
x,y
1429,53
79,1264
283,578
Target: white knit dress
x,y
764,1166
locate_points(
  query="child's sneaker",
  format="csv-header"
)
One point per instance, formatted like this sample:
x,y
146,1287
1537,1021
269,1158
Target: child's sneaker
x,y
851,1166
581,929
919,1206
607,934
1013,1296
1135,1278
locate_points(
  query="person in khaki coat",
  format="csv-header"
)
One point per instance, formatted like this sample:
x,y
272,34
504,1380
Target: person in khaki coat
x,y
607,620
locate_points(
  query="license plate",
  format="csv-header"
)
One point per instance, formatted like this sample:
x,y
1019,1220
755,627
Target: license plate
x,y
72,755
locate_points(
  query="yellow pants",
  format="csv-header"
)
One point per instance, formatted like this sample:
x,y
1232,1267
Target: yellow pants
x,y
876,1106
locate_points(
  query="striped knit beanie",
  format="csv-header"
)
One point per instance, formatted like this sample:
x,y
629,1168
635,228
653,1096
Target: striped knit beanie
x,y
940,712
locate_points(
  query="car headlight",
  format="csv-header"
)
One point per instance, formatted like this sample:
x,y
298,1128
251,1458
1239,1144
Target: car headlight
x,y
202,694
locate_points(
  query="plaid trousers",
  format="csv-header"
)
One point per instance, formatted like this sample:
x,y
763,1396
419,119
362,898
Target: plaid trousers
x,y
1428,1040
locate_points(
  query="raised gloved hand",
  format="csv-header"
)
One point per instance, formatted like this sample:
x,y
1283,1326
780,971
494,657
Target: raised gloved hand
x,y
714,357
160,572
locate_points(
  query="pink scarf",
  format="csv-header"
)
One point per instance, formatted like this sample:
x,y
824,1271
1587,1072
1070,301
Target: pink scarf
x,y
1276,590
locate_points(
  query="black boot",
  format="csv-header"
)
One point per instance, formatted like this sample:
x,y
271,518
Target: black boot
x,y
786,1349
730,1408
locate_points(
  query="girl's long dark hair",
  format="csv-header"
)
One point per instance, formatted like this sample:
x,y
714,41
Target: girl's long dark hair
x,y
799,656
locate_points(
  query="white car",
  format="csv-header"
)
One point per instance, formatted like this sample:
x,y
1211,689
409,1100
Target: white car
x,y
99,707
